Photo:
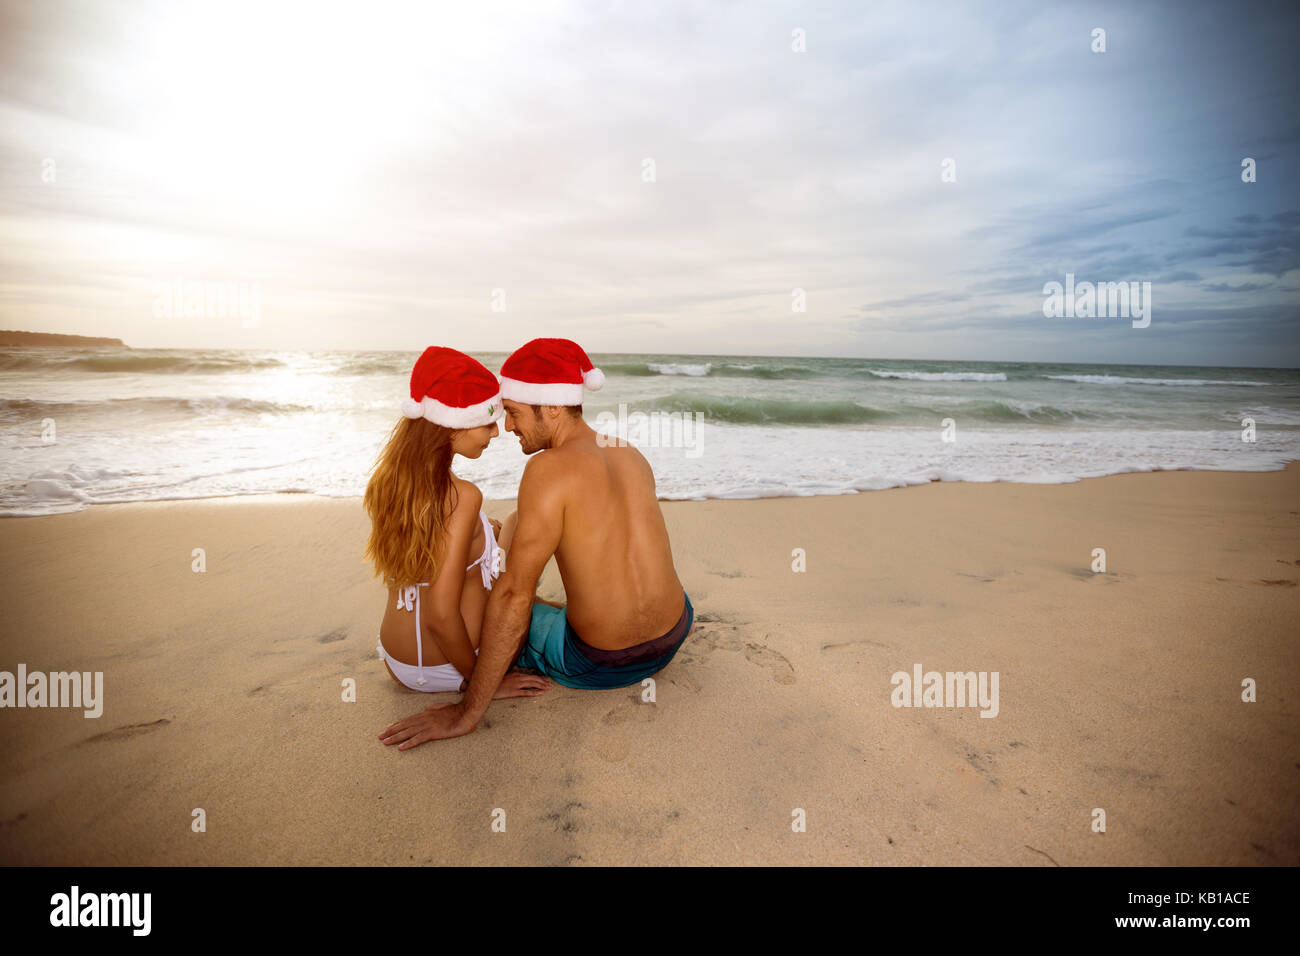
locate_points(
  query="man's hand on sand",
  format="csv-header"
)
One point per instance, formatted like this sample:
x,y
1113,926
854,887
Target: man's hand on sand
x,y
519,684
443,721
438,722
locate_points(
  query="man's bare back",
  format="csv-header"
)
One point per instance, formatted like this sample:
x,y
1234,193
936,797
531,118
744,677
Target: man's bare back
x,y
614,554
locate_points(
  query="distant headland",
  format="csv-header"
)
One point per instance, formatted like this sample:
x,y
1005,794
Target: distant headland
x,y
12,339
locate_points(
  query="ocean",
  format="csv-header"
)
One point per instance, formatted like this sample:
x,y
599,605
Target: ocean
x,y
89,426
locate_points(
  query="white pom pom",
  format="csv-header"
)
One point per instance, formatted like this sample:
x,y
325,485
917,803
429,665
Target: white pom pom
x,y
412,409
594,379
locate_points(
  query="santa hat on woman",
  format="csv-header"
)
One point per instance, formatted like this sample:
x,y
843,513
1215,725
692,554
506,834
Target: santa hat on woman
x,y
549,372
451,389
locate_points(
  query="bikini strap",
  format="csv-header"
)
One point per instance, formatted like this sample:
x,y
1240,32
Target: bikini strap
x,y
419,637
408,598
487,560
488,557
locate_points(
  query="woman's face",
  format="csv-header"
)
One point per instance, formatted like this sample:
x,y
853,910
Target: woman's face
x,y
470,442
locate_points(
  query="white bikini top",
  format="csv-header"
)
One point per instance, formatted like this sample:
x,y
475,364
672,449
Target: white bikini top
x,y
490,559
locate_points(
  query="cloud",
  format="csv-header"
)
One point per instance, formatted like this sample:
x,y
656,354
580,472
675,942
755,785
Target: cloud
x,y
923,298
1243,287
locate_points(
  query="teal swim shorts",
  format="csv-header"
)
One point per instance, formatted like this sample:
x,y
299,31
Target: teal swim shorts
x,y
554,648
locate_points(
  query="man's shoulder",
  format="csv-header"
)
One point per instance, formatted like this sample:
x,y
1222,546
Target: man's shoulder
x,y
626,457
543,470
558,469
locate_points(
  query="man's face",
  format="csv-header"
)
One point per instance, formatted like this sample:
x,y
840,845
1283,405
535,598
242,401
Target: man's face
x,y
523,422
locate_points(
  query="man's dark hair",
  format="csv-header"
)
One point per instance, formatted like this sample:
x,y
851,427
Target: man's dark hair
x,y
574,410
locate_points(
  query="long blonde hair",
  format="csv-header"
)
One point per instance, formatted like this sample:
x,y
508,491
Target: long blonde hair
x,y
409,498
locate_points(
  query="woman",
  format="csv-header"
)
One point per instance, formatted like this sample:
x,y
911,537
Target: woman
x,y
436,550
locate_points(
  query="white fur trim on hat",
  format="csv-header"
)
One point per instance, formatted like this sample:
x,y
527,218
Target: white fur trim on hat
x,y
482,413
541,393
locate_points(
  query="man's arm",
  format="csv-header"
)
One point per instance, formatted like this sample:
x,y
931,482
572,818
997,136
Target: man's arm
x,y
510,605
509,610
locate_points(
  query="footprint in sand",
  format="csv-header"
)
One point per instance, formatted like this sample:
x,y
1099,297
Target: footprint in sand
x,y
563,820
617,745
711,639
633,709
684,679
1129,776
764,656
129,730
1107,577
1277,583
840,644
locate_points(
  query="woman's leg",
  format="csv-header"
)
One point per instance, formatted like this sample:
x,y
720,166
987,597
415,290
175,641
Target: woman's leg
x,y
507,531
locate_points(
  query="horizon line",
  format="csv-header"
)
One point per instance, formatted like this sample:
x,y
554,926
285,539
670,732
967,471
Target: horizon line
x,y
858,358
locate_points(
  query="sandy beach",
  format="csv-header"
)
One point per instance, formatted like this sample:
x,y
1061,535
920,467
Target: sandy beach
x,y
1121,690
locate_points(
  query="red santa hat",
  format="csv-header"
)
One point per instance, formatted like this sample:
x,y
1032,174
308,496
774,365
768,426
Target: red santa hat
x,y
549,372
451,389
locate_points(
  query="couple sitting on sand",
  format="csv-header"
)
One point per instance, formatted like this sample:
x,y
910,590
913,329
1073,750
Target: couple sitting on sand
x,y
461,600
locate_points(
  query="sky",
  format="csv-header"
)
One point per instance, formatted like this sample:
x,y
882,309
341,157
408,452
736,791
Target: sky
x,y
882,180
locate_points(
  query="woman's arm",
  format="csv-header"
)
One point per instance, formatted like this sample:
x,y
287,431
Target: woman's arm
x,y
442,611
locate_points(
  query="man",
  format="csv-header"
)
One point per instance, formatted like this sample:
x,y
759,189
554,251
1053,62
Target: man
x,y
592,505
